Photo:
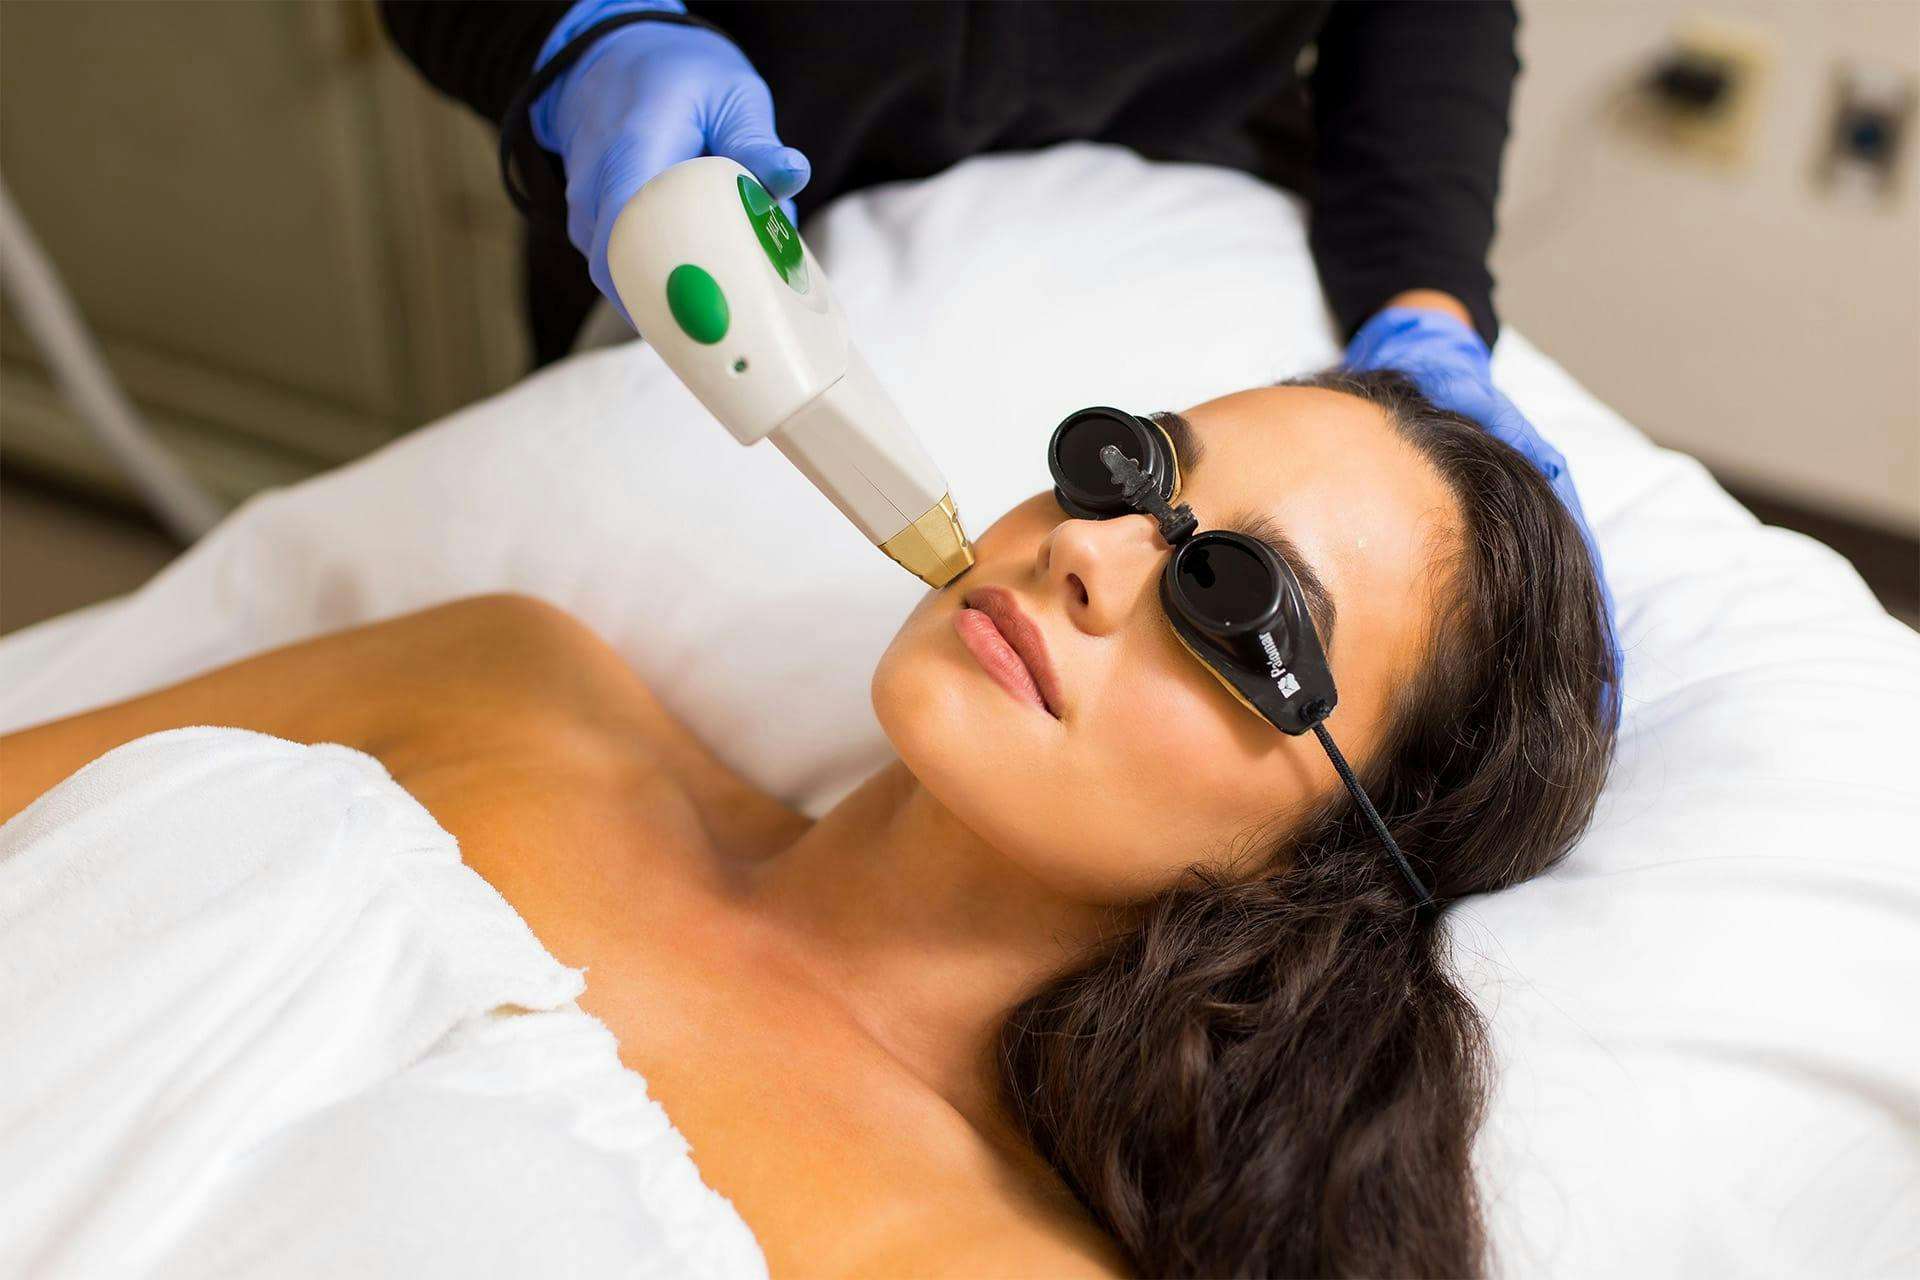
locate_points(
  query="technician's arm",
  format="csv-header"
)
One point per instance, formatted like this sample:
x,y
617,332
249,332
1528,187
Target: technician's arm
x,y
479,51
1410,118
619,90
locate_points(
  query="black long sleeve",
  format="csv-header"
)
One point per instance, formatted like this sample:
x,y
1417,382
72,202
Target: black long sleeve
x,y
479,51
1410,119
1401,159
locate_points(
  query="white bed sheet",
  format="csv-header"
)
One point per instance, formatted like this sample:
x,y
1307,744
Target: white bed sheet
x,y
1709,1059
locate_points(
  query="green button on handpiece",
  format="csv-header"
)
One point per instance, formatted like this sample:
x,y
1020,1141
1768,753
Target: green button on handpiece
x,y
698,306
778,240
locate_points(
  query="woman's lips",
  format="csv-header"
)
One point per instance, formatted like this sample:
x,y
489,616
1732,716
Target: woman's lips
x,y
1005,642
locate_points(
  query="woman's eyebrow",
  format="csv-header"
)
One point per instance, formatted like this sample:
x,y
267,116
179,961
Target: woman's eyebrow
x,y
1188,451
1264,528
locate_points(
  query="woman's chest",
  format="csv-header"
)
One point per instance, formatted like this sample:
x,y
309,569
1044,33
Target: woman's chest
x,y
823,1143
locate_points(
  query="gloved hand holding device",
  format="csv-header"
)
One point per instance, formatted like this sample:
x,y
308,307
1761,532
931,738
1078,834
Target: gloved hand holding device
x,y
643,97
1452,364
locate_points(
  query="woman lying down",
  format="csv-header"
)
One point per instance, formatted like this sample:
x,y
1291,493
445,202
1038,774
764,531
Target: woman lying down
x,y
1108,972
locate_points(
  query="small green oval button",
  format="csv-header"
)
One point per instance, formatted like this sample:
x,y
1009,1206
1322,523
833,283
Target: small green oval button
x,y
697,304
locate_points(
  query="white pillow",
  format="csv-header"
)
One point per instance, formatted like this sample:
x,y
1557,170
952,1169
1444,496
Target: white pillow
x,y
1709,1056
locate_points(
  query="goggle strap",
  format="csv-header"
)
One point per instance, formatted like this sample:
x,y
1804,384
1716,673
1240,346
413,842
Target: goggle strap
x,y
1176,523
1424,898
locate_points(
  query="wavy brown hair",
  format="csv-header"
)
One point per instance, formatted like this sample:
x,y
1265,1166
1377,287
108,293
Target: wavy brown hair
x,y
1278,1073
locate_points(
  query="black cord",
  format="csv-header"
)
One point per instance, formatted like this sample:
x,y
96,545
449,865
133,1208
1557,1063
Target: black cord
x,y
1425,899
516,126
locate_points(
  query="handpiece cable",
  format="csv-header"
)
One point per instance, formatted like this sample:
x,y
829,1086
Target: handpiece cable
x,y
48,314
1420,892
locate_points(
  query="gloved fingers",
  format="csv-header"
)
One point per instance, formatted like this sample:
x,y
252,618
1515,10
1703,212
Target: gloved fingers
x,y
583,207
1452,366
597,262
782,170
1513,430
647,97
603,280
626,165
1405,337
1551,462
626,154
793,214
740,128
1504,421
1449,362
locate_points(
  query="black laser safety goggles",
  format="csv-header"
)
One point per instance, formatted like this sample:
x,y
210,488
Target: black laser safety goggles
x,y
1233,603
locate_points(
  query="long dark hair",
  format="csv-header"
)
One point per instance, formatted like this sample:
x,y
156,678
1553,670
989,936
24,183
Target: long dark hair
x,y
1278,1073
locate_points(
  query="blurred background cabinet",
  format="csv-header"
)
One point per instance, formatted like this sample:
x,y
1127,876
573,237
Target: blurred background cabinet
x,y
291,249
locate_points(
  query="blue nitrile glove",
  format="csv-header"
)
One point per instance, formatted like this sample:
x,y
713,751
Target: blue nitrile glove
x,y
644,97
1452,365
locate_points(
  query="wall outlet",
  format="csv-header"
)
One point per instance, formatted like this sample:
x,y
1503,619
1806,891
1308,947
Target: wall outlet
x,y
1867,136
1702,96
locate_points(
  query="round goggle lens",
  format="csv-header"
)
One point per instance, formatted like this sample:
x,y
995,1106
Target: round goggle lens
x,y
1077,456
1224,583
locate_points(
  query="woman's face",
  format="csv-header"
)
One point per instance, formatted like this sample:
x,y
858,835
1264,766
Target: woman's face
x,y
1152,765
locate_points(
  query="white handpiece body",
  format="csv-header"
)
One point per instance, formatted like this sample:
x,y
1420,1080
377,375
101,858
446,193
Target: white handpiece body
x,y
721,285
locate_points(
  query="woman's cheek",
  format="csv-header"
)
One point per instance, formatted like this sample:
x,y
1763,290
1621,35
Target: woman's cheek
x,y
1120,809
909,692
955,729
1196,761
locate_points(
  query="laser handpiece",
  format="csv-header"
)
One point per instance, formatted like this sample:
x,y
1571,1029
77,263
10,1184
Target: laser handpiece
x,y
719,283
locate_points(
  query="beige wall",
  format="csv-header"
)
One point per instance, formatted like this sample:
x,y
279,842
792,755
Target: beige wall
x,y
1743,314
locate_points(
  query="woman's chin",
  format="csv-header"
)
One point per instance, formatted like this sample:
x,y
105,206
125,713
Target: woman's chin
x,y
948,719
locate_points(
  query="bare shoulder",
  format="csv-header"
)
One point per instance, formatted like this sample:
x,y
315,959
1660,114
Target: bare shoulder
x,y
514,663
488,677
502,647
377,687
984,1240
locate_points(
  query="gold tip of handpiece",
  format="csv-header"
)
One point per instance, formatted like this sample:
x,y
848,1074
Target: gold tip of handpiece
x,y
933,548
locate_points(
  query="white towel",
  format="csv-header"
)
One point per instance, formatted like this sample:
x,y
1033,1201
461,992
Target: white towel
x,y
257,1017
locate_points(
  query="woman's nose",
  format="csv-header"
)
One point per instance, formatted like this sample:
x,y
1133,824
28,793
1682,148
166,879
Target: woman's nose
x,y
1100,568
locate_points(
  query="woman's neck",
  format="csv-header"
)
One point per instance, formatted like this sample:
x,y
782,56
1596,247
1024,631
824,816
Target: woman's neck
x,y
927,934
